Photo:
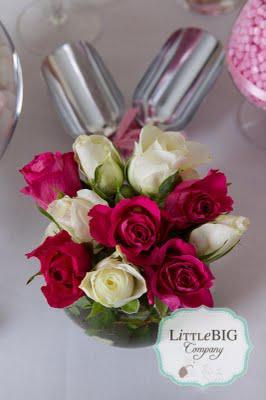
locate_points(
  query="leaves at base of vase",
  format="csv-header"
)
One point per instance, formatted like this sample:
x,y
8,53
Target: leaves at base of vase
x,y
101,317
136,324
74,310
132,307
161,307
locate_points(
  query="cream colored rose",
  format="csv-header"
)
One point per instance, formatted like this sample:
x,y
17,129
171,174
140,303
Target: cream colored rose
x,y
71,214
113,283
51,230
159,155
96,152
215,239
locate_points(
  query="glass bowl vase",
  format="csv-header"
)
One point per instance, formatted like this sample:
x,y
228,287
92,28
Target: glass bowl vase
x,y
114,326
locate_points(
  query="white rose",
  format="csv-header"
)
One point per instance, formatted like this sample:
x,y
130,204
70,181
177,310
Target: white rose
x,y
51,230
239,223
159,155
215,239
113,283
71,214
96,152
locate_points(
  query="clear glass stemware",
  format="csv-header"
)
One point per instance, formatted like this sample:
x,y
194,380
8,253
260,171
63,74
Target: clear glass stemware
x,y
45,24
11,89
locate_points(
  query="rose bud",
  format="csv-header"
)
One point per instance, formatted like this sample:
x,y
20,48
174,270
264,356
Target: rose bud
x,y
100,162
159,155
113,283
213,240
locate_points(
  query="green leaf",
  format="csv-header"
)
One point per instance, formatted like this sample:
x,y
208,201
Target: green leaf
x,y
215,258
47,215
161,307
97,173
132,307
126,168
144,333
32,277
101,317
127,191
74,310
216,254
131,325
166,187
94,186
124,192
142,315
60,195
169,184
97,308
133,322
83,302
207,257
92,331
99,192
118,196
107,318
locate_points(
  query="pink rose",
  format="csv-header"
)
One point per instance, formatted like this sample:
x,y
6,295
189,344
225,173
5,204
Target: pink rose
x,y
47,174
180,279
197,201
133,224
63,266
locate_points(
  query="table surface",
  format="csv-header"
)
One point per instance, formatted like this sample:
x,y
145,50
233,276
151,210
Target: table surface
x,y
43,355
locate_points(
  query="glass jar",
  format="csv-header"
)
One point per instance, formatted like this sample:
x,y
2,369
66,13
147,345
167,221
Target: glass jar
x,y
212,7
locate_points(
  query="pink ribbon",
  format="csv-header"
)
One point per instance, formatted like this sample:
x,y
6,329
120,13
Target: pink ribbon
x,y
127,133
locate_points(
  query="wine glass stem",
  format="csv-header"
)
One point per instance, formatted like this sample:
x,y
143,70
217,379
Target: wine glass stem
x,y
58,11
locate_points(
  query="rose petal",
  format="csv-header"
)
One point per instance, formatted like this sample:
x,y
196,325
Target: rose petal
x,y
100,225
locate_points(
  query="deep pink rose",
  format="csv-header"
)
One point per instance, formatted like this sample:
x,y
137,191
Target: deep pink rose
x,y
63,265
180,279
197,201
133,224
50,173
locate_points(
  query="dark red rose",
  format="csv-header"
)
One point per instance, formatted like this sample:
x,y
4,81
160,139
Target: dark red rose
x,y
47,174
197,201
63,265
180,279
133,224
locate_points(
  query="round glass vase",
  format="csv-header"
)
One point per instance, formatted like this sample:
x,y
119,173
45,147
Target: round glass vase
x,y
115,327
212,7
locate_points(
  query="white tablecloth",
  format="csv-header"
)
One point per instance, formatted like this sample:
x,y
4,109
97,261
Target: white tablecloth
x,y
43,355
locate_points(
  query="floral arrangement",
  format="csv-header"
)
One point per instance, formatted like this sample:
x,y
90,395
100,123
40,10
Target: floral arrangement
x,y
130,241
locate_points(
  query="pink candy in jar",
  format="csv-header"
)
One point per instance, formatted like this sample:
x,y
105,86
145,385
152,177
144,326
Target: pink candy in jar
x,y
246,55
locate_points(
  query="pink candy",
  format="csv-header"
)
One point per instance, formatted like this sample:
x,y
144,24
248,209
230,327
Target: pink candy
x,y
247,52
